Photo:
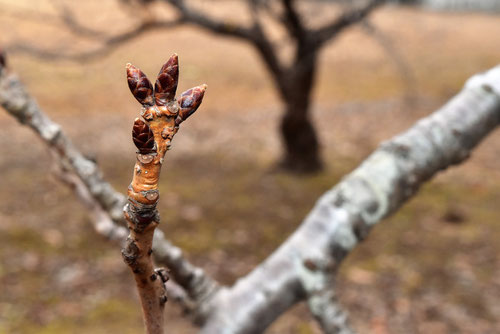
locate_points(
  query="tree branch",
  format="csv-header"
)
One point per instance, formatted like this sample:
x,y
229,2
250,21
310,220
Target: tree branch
x,y
253,34
318,281
392,52
104,202
344,215
191,15
70,21
101,220
293,22
347,19
108,44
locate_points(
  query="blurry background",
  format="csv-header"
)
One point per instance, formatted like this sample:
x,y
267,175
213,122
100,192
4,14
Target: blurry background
x,y
433,267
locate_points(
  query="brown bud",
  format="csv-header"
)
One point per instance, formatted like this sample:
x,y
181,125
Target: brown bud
x,y
139,85
189,101
143,137
166,83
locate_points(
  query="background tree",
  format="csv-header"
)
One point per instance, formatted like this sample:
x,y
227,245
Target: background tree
x,y
288,36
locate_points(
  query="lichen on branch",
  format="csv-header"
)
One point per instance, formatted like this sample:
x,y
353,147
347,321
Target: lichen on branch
x,y
152,135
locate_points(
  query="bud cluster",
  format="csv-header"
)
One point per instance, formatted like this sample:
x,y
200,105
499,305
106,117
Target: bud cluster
x,y
162,96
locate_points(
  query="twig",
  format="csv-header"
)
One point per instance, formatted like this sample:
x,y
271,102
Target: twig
x,y
393,52
163,115
107,45
70,21
347,19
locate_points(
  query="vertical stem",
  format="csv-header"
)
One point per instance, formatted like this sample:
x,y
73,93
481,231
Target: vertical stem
x,y
163,115
142,219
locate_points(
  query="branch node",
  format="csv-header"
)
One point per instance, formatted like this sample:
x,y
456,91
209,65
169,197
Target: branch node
x,y
130,252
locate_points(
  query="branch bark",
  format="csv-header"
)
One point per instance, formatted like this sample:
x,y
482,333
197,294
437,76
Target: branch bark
x,y
163,116
344,215
319,286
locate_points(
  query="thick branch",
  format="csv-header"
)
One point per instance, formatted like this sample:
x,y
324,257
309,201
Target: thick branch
x,y
70,21
344,215
253,34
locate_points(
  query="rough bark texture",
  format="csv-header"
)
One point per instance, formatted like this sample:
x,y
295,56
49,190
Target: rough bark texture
x,y
152,137
344,215
318,282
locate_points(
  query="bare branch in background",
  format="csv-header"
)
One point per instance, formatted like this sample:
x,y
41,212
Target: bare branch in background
x,y
318,281
107,45
393,53
293,21
345,20
201,19
69,20
63,15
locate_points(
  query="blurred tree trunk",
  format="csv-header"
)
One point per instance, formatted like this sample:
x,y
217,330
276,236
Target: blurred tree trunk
x,y
300,141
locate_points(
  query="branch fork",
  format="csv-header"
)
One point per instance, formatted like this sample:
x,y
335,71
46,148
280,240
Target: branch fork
x,y
152,135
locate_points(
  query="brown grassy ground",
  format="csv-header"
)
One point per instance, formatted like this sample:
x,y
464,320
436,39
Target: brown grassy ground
x,y
432,268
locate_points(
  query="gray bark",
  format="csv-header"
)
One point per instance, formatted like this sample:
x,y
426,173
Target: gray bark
x,y
344,215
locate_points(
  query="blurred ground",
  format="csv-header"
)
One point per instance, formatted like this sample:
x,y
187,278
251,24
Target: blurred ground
x,y
432,268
